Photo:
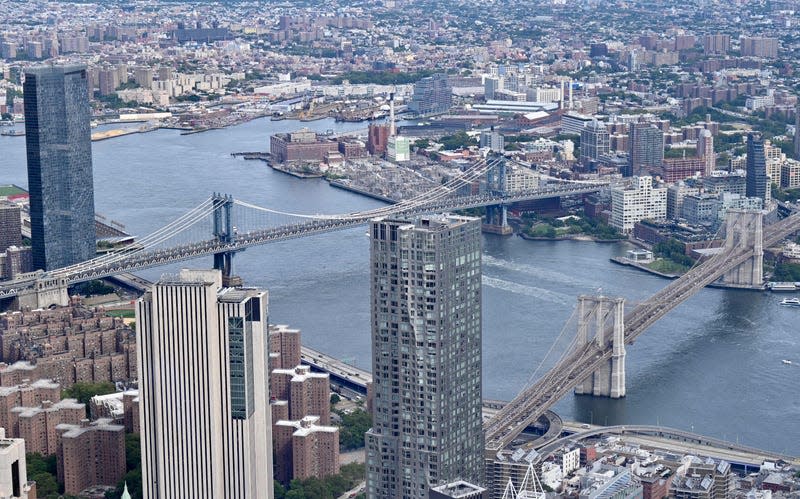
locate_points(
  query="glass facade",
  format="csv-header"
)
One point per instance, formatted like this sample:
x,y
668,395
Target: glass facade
x,y
240,345
59,153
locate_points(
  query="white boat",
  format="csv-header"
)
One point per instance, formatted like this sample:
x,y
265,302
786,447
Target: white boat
x,y
791,302
787,362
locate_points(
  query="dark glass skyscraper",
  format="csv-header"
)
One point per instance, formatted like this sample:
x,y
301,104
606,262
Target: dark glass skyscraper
x,y
59,148
756,181
426,356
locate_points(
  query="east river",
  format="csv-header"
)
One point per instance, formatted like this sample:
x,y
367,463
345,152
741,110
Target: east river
x,y
712,365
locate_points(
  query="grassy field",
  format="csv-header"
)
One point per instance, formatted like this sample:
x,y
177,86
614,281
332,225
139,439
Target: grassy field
x,y
125,314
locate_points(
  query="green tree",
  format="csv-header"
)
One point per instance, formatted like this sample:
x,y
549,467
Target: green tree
x,y
84,391
352,429
43,471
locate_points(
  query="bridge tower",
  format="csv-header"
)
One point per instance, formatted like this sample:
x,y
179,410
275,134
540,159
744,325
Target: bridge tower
x,y
745,229
497,215
594,312
224,232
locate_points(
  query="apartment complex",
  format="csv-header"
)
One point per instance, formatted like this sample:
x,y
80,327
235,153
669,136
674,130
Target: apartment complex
x,y
426,355
636,202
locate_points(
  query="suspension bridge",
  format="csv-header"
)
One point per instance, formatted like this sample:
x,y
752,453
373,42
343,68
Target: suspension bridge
x,y
221,226
589,361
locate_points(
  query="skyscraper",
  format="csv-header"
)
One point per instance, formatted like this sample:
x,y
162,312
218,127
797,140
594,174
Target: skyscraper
x,y
595,142
645,149
59,149
756,181
203,393
426,355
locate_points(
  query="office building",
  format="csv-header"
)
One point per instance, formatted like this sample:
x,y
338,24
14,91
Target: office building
x,y
637,202
432,95
90,454
757,182
426,355
14,482
595,142
59,150
203,388
645,149
10,225
492,84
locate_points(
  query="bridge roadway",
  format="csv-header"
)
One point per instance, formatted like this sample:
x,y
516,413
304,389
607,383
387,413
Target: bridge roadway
x,y
531,402
661,437
142,259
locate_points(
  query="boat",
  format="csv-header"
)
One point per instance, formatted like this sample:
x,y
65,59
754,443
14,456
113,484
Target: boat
x,y
791,302
13,133
787,362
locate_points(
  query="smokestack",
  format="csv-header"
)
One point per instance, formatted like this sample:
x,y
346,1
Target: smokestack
x,y
562,94
392,130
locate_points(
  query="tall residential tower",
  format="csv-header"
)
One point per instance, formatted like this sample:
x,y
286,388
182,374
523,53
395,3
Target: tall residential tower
x,y
59,150
203,396
426,355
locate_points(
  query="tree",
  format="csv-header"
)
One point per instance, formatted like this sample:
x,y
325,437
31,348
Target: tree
x,y
84,391
352,429
43,471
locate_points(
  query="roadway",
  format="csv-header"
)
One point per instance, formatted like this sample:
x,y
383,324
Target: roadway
x,y
669,439
142,259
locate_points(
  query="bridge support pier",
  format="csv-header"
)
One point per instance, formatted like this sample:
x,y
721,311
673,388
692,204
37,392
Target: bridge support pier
x,y
593,314
745,228
497,215
497,221
224,232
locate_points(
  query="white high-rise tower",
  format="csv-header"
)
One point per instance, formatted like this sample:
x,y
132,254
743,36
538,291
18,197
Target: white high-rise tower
x,y
203,389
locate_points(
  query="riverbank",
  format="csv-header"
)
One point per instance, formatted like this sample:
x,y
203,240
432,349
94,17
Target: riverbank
x,y
620,260
573,237
341,185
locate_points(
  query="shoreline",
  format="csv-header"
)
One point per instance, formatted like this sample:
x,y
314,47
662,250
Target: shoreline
x,y
627,263
575,237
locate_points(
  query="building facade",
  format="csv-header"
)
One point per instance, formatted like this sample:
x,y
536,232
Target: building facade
x,y
645,149
432,95
595,142
14,482
90,454
426,355
59,152
637,202
203,391
757,182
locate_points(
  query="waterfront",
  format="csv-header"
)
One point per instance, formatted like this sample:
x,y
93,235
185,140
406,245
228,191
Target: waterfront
x,y
713,365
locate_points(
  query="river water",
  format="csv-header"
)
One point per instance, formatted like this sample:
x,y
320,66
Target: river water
x,y
712,365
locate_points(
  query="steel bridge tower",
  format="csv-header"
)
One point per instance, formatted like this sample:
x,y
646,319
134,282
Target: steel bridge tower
x,y
224,232
497,215
593,314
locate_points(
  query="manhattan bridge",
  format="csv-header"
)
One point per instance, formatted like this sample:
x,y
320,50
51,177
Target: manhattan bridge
x,y
595,361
